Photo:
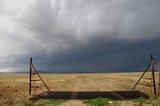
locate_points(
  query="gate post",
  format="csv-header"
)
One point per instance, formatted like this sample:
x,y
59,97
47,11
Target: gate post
x,y
30,72
159,78
152,69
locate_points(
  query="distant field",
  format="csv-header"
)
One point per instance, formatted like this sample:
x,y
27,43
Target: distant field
x,y
14,87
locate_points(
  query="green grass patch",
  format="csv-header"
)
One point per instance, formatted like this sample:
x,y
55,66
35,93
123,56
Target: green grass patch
x,y
29,104
99,102
140,100
55,102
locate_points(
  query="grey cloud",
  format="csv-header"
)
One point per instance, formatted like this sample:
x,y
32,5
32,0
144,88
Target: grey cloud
x,y
86,35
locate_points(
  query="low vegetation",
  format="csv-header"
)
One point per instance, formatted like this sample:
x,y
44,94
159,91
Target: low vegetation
x,y
140,100
100,102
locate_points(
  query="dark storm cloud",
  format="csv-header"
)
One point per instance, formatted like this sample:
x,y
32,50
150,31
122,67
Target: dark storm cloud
x,y
80,35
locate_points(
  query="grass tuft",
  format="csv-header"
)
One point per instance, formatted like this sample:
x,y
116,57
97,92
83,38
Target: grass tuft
x,y
140,100
29,104
55,102
99,102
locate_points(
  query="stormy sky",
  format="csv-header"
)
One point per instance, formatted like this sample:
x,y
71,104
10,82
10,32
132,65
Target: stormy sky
x,y
79,35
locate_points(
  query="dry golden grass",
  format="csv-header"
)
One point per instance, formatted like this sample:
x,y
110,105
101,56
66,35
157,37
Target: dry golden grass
x,y
14,87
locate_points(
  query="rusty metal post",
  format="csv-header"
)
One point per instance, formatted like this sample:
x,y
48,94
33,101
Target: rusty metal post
x,y
152,69
159,78
30,72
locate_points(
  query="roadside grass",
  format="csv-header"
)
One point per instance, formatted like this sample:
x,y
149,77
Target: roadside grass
x,y
140,100
100,102
154,101
56,102
53,102
29,104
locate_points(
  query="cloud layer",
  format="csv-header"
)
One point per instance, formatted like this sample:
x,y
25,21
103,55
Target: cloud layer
x,y
79,35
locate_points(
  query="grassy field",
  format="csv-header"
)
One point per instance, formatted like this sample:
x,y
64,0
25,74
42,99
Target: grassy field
x,y
14,88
